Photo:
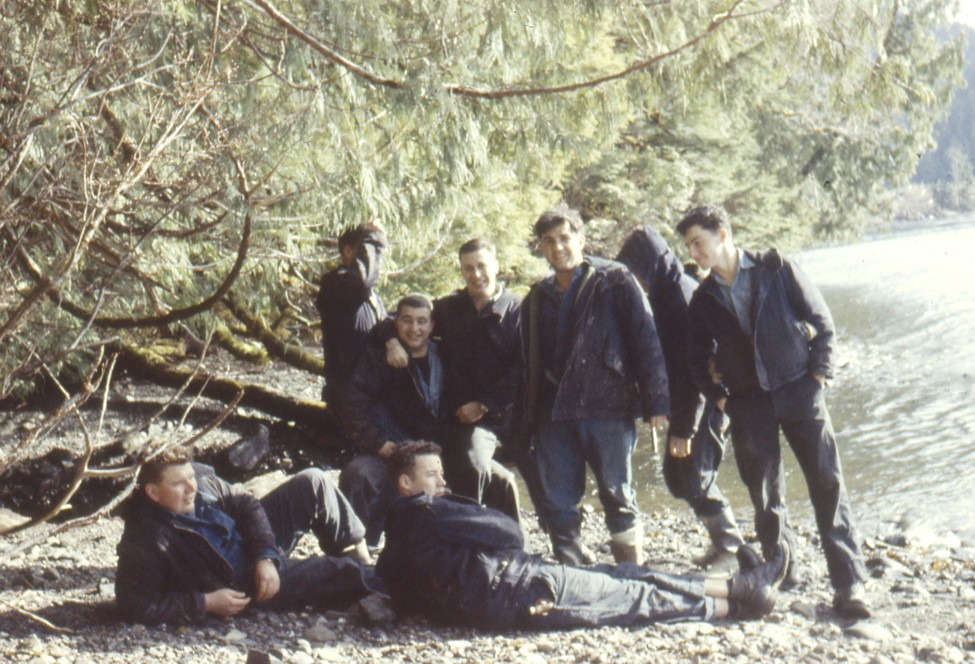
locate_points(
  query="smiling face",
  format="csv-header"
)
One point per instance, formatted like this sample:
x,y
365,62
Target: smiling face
x,y
562,247
706,248
480,271
413,328
175,489
426,476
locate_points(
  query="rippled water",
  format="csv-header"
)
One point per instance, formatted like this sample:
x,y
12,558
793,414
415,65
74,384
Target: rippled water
x,y
903,400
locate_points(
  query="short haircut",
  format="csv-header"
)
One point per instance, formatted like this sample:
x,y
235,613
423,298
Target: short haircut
x,y
153,469
403,458
476,244
555,217
353,236
710,217
414,301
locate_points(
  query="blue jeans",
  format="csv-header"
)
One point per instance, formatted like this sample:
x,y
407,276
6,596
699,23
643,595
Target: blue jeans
x,y
310,501
621,595
695,478
562,449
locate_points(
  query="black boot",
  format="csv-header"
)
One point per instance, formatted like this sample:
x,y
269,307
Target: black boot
x,y
569,549
756,588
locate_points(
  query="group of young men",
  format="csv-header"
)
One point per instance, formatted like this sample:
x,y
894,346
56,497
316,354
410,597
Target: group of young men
x,y
556,381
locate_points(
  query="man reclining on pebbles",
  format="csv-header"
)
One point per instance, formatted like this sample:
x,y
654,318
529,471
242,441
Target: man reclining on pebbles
x,y
460,563
194,545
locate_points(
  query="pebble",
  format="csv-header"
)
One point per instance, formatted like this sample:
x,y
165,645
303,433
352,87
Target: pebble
x,y
870,631
319,633
234,636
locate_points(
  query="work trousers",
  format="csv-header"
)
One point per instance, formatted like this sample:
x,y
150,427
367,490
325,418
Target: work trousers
x,y
695,478
560,452
309,501
799,410
623,595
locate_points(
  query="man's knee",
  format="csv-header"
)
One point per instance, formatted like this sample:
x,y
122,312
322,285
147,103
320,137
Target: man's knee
x,y
363,470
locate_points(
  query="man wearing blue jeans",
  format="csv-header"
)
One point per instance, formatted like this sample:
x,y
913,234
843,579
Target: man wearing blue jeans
x,y
593,363
194,545
459,563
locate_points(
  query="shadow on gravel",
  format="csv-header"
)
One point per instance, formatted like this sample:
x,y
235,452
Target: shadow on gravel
x,y
48,577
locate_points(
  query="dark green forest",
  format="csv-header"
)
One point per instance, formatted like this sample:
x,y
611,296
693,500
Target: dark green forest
x,y
174,170
949,169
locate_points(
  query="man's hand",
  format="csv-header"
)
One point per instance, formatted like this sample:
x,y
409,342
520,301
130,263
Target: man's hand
x,y
720,403
821,378
266,580
657,421
387,450
679,448
225,602
471,412
396,355
713,371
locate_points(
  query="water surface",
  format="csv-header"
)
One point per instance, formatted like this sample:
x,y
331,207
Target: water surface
x,y
903,399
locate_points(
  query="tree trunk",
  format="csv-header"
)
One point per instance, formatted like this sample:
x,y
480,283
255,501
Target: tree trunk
x,y
154,367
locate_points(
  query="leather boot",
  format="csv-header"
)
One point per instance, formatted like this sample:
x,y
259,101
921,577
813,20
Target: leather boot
x,y
627,546
756,588
725,540
569,549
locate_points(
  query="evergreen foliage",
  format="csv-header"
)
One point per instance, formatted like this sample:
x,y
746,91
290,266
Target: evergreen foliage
x,y
157,156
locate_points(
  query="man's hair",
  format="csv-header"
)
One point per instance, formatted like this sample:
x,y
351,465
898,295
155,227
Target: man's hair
x,y
352,236
403,458
710,217
153,469
555,217
414,301
477,244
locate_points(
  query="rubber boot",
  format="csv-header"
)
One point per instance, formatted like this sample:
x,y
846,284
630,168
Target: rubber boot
x,y
627,546
725,540
569,548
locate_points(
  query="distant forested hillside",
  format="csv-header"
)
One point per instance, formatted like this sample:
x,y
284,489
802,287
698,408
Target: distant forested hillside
x,y
949,168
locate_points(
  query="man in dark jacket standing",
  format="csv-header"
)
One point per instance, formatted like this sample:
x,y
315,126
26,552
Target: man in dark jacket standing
x,y
771,334
348,306
593,363
193,545
695,438
459,563
476,331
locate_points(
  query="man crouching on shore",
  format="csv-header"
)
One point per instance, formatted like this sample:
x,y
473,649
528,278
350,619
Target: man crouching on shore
x,y
457,562
194,545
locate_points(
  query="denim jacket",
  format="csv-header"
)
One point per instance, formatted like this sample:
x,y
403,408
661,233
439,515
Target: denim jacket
x,y
455,561
779,352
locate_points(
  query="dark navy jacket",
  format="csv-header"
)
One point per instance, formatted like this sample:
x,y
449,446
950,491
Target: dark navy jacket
x,y
479,350
165,566
779,351
669,290
614,367
349,309
480,353
398,391
456,562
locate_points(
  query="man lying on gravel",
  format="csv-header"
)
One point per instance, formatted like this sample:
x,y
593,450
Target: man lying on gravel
x,y
460,563
194,545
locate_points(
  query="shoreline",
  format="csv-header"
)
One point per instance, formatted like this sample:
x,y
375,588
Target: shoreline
x,y
924,606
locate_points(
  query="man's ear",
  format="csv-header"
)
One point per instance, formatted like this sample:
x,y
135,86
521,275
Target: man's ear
x,y
404,485
152,492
